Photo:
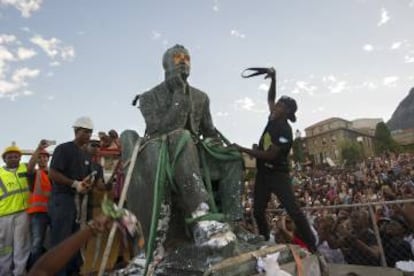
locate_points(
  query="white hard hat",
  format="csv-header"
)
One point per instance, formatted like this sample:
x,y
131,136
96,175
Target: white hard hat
x,y
95,137
83,122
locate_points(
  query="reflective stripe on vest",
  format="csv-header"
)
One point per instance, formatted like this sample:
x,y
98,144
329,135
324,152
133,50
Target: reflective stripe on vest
x,y
14,190
39,198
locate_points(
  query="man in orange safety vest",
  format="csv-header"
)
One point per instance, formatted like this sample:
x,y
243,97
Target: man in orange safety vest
x,y
40,188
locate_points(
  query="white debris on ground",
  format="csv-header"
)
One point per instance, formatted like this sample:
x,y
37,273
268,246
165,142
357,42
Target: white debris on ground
x,y
270,265
407,266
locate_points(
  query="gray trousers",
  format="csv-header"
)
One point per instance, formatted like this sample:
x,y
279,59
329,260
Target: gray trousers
x,y
187,177
14,243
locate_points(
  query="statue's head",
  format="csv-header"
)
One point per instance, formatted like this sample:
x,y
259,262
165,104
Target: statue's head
x,y
176,61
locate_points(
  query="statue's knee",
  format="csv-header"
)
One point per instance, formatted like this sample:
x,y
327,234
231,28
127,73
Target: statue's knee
x,y
182,132
129,136
128,139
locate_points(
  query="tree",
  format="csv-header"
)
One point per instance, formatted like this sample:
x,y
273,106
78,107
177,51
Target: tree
x,y
383,140
298,154
351,152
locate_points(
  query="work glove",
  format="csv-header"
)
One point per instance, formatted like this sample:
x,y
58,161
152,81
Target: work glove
x,y
80,186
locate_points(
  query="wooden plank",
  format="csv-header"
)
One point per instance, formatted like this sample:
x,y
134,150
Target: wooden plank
x,y
235,265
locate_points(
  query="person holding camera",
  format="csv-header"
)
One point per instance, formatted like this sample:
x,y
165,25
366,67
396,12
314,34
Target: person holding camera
x,y
40,188
70,169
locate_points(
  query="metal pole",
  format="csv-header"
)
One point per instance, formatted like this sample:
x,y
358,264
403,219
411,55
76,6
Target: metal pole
x,y
401,201
120,204
377,236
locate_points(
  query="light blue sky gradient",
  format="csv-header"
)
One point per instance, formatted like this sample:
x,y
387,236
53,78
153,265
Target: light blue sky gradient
x,y
351,59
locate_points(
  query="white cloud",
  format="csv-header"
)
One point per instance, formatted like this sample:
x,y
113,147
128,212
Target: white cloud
x,y
54,48
6,38
67,53
411,4
329,78
390,81
7,87
54,63
28,93
245,103
18,80
20,75
303,86
155,35
409,59
25,53
50,98
384,17
264,87
26,7
216,6
25,29
369,85
222,114
5,54
338,87
368,47
319,109
396,45
238,34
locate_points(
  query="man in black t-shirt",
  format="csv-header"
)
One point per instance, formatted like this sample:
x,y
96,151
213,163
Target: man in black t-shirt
x,y
273,167
69,168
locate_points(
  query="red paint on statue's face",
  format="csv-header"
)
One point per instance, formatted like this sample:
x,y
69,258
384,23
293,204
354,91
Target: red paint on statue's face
x,y
180,57
181,61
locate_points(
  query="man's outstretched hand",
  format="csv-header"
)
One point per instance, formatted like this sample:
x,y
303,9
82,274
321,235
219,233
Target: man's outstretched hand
x,y
271,73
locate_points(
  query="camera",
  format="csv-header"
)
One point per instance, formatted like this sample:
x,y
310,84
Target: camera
x,y
48,142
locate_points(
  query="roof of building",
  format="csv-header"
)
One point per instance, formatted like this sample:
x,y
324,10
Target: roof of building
x,y
324,122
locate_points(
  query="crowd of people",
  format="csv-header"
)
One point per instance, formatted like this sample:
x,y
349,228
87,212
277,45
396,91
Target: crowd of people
x,y
346,234
29,206
179,123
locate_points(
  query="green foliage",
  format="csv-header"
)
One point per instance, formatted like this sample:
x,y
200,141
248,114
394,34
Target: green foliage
x,y
298,154
352,152
383,141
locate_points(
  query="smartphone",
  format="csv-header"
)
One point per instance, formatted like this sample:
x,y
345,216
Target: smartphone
x,y
49,142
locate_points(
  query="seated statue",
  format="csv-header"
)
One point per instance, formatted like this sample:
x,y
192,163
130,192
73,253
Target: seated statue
x,y
181,157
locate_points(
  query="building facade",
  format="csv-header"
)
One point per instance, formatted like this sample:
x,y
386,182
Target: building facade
x,y
324,140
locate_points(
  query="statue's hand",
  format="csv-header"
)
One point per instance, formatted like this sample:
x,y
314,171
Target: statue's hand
x,y
213,142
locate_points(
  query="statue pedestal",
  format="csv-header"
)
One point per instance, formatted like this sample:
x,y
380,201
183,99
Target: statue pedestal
x,y
239,260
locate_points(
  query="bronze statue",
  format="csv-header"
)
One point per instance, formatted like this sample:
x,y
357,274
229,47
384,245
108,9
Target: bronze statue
x,y
202,183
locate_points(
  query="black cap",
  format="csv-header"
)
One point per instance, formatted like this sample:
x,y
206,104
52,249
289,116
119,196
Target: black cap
x,y
290,103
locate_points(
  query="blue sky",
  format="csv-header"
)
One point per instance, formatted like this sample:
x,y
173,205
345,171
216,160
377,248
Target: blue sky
x,y
63,59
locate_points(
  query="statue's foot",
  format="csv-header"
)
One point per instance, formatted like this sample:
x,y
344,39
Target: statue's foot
x,y
245,235
213,234
135,267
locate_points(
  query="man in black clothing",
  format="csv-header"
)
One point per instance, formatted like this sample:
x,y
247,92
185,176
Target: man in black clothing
x,y
69,168
273,167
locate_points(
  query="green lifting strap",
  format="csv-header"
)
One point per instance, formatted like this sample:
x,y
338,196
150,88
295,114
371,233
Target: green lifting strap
x,y
165,172
160,178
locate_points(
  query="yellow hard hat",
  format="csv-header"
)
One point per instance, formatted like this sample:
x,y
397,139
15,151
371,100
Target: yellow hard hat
x,y
12,148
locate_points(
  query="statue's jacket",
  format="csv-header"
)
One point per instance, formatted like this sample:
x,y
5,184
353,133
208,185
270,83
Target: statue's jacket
x,y
165,110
